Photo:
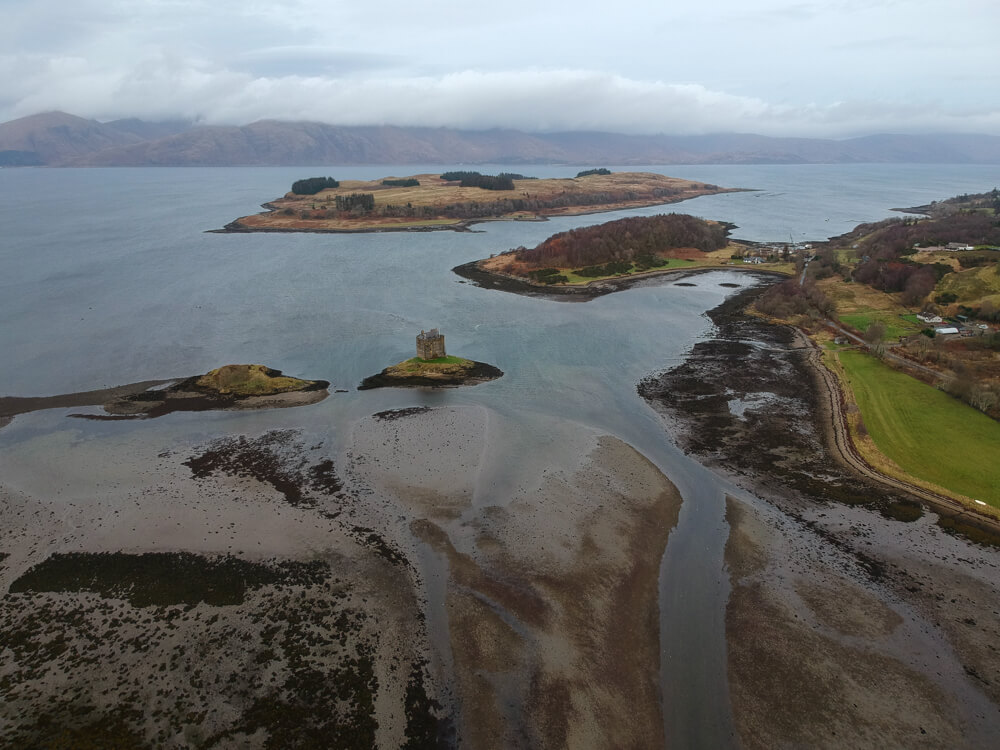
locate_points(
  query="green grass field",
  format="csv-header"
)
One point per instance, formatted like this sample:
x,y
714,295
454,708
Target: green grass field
x,y
895,325
926,432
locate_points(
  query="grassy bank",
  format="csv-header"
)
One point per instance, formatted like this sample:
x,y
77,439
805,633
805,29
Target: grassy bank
x,y
859,306
927,433
668,264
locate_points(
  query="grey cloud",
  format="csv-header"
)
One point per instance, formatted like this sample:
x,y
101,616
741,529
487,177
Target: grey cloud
x,y
306,61
776,67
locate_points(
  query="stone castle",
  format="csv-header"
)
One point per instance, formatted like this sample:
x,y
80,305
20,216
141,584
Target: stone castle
x,y
430,344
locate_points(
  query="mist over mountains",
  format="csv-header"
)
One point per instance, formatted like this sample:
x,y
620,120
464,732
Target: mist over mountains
x,y
60,139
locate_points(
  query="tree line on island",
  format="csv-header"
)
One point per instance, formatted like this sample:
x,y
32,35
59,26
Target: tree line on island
x,y
633,244
476,209
313,185
502,181
624,241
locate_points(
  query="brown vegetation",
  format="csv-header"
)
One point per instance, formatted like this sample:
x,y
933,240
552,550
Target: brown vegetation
x,y
624,240
437,201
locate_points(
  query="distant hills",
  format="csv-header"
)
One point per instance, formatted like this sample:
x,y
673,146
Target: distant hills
x,y
60,139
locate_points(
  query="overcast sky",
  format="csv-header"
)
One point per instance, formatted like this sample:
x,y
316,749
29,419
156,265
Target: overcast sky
x,y
778,67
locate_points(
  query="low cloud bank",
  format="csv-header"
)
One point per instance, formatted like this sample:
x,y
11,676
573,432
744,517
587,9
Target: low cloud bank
x,y
531,100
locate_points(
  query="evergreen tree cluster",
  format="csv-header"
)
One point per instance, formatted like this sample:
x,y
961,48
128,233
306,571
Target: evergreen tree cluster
x,y
405,182
625,241
489,182
478,209
357,202
588,172
548,276
502,181
312,185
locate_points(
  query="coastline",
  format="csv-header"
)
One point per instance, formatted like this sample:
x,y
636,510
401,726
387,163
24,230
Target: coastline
x,y
833,405
751,404
593,289
698,396
149,399
237,227
479,372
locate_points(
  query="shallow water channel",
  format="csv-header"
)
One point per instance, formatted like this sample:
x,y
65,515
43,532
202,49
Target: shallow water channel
x,y
108,278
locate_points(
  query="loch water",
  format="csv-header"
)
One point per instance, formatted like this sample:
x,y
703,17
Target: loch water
x,y
107,276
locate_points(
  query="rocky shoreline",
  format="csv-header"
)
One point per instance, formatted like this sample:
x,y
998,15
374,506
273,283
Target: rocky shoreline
x,y
235,227
479,372
149,399
914,605
488,280
771,417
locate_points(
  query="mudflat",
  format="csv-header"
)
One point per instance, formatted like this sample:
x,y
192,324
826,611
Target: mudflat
x,y
261,591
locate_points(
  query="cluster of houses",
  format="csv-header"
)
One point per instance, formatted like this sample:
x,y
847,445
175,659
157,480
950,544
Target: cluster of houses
x,y
766,253
962,326
951,247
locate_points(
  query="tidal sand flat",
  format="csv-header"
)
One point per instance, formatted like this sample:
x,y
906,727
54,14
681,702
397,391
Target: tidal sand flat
x,y
257,590
549,600
206,597
825,654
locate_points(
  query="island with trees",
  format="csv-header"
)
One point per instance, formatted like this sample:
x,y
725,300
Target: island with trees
x,y
606,257
454,200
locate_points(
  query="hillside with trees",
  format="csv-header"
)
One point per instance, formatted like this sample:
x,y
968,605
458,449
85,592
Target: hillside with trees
x,y
877,279
624,240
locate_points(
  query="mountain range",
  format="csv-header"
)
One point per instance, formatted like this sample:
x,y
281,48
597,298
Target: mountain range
x,y
60,139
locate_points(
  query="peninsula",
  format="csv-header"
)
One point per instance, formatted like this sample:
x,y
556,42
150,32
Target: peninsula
x,y
591,261
227,387
454,200
432,367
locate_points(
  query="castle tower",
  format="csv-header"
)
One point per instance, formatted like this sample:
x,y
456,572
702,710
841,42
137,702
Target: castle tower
x,y
430,344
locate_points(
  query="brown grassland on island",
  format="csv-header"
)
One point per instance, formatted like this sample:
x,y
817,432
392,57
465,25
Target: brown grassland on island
x,y
439,203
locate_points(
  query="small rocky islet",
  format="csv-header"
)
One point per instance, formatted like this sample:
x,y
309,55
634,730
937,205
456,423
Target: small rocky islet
x,y
432,367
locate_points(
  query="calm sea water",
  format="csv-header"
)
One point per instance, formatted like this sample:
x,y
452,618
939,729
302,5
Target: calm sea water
x,y
108,277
